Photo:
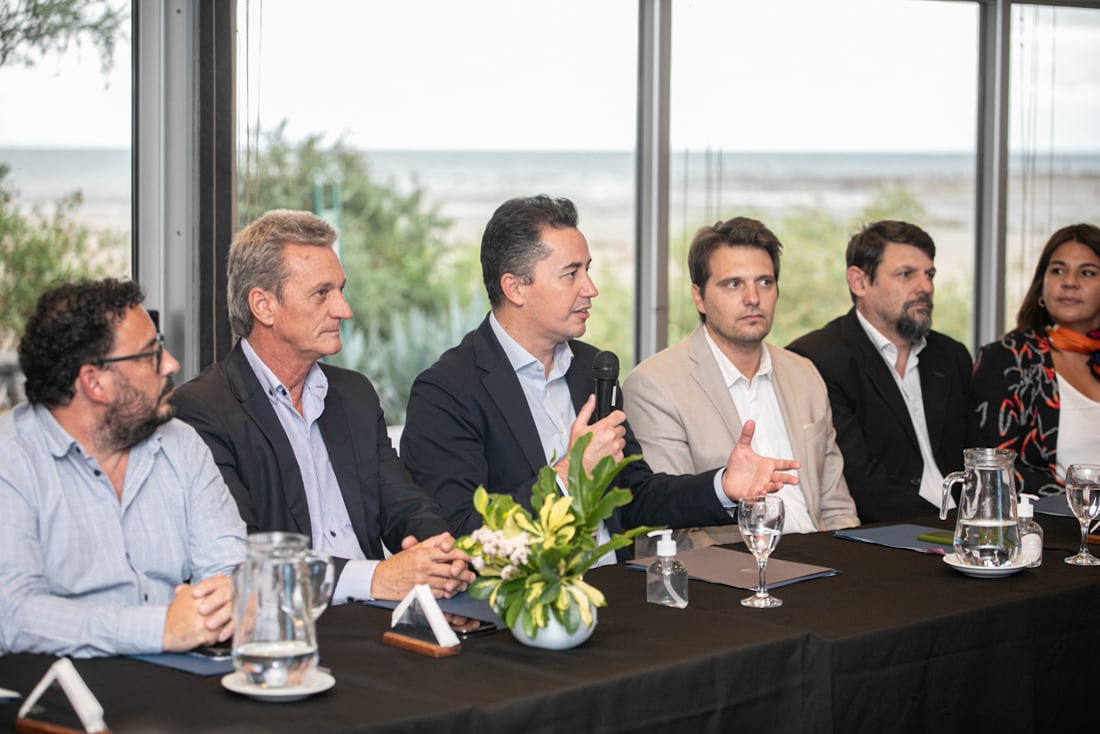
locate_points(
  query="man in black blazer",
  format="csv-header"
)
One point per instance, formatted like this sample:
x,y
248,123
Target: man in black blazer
x,y
899,391
303,445
518,391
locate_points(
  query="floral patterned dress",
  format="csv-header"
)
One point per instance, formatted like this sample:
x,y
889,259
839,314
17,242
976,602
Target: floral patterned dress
x,y
1016,405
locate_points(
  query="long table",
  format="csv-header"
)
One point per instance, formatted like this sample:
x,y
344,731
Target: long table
x,y
897,642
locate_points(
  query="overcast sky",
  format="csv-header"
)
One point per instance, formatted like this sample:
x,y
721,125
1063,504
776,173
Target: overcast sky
x,y
507,74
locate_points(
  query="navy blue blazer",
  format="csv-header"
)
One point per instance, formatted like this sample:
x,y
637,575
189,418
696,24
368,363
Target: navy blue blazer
x,y
882,460
468,425
230,410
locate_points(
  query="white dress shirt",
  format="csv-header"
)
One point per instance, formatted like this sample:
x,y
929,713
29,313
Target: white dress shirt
x,y
931,480
756,399
1078,428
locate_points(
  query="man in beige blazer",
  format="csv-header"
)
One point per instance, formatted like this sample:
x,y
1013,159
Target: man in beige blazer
x,y
688,402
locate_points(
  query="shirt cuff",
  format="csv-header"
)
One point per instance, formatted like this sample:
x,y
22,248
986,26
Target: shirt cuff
x,y
143,627
354,583
726,501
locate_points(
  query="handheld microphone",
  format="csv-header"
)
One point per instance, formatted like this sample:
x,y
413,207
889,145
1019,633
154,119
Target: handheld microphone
x,y
606,367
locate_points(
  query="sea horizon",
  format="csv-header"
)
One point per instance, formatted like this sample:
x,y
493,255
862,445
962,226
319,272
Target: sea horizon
x,y
466,185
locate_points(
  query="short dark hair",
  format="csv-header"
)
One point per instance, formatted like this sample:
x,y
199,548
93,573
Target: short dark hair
x,y
1032,315
736,232
73,324
512,242
256,258
866,247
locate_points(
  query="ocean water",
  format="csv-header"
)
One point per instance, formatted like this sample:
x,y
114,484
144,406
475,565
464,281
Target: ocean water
x,y
468,185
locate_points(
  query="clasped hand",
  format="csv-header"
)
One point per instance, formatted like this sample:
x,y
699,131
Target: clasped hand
x,y
200,614
435,562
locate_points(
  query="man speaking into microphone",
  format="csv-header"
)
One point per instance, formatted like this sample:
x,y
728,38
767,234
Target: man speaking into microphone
x,y
519,390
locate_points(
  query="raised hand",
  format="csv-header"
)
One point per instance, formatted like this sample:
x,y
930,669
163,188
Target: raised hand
x,y
608,437
750,475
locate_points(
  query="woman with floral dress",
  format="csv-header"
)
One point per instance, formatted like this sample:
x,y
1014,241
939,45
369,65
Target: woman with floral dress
x,y
1037,389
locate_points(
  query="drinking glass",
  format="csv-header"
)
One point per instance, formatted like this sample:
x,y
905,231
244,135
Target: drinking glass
x,y
322,579
1083,493
761,523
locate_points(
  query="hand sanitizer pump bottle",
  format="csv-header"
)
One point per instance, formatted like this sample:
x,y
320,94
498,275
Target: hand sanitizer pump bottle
x,y
666,578
1031,532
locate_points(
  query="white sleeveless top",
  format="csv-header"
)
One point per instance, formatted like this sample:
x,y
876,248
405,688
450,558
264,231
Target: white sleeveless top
x,y
1078,428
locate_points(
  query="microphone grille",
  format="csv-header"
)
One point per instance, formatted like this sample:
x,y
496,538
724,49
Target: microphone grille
x,y
606,366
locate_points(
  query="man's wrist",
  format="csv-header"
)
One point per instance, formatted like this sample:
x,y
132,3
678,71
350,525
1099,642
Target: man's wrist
x,y
720,491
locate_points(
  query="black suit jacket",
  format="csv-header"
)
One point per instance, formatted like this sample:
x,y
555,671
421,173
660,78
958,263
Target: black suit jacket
x,y
230,410
882,460
468,425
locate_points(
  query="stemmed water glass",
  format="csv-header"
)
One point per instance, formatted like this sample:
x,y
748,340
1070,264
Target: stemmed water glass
x,y
1083,493
761,523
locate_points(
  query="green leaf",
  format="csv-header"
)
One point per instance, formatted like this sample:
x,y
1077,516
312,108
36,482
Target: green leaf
x,y
562,542
570,617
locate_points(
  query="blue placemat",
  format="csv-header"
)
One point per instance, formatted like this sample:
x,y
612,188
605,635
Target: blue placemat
x,y
189,663
903,536
1054,504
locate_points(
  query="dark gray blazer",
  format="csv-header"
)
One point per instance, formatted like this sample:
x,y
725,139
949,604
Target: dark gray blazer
x,y
230,410
468,425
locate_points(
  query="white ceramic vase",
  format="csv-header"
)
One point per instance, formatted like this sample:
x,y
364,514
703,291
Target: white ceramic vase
x,y
554,636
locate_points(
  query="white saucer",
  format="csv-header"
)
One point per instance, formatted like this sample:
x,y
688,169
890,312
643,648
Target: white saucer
x,y
315,682
982,572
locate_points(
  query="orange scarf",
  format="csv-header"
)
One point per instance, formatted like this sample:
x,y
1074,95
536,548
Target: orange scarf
x,y
1067,340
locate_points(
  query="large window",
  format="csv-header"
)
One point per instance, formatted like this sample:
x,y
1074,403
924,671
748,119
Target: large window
x,y
816,118
1054,162
65,191
407,123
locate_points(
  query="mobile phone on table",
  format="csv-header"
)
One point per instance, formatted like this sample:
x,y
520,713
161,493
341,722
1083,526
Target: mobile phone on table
x,y
484,629
221,651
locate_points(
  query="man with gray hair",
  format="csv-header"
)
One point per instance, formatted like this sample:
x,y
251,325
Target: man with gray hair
x,y
302,444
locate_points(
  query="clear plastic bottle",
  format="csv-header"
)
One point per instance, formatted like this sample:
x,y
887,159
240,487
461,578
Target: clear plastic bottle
x,y
1031,532
666,577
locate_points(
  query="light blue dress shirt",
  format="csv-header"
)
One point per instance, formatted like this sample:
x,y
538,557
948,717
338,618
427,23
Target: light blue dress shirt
x,y
83,573
550,403
330,524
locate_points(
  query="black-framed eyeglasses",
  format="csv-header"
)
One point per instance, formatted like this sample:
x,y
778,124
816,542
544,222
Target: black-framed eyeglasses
x,y
158,352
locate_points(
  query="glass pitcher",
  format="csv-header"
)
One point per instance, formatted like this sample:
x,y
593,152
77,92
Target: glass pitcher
x,y
278,592
986,531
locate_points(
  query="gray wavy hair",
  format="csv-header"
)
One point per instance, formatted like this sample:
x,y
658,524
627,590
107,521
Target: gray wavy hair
x,y
256,258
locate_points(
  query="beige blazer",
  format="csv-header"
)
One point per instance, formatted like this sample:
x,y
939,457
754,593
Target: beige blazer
x,y
681,411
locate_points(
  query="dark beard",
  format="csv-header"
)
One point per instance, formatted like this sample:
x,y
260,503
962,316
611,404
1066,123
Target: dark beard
x,y
132,419
911,328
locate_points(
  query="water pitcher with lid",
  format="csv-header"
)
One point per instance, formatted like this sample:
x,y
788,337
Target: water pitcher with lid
x,y
278,592
986,530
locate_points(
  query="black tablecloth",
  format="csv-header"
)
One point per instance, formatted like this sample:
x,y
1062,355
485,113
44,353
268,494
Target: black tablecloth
x,y
897,642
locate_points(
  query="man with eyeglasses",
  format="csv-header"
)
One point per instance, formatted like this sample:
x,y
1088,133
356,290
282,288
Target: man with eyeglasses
x,y
116,530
